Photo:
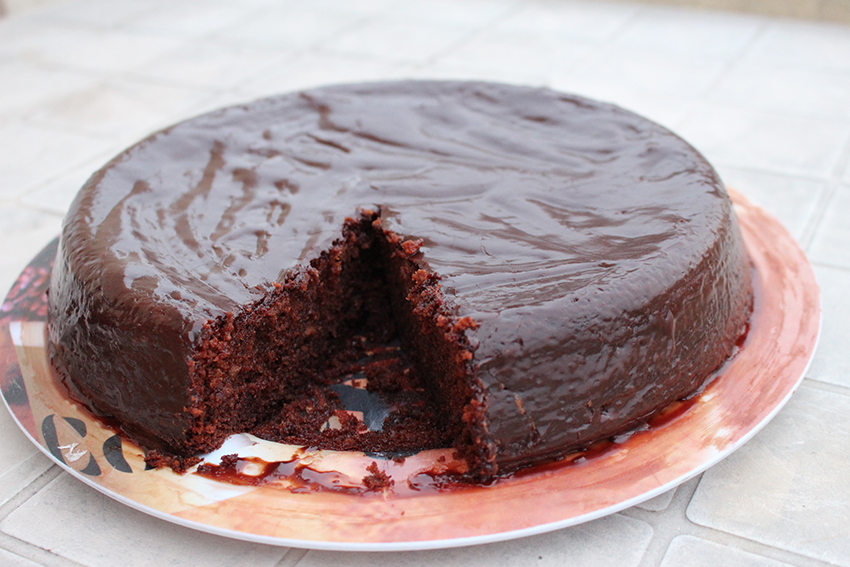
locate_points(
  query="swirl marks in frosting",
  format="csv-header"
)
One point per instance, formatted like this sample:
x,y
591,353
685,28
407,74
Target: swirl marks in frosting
x,y
519,195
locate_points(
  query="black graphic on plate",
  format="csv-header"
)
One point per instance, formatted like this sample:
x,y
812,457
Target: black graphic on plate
x,y
14,391
115,455
111,449
78,425
48,431
91,469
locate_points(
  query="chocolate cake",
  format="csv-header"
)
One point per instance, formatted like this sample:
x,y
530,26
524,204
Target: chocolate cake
x,y
554,270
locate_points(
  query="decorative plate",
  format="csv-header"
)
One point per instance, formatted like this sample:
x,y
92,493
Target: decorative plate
x,y
286,495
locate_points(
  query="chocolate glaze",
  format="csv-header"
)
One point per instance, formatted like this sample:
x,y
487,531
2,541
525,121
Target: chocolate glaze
x,y
597,251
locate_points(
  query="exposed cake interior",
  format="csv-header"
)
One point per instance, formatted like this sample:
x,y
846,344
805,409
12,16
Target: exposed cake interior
x,y
363,313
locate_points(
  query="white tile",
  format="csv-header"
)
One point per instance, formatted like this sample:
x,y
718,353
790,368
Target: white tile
x,y
451,71
22,474
351,7
80,524
97,13
287,29
659,86
792,200
649,72
689,551
570,20
660,108
615,540
24,233
787,487
210,64
31,155
55,196
98,51
27,86
20,461
659,503
19,8
739,137
669,112
472,12
221,99
20,36
831,242
805,44
191,19
710,34
832,358
789,90
350,10
114,108
10,560
315,70
398,39
517,52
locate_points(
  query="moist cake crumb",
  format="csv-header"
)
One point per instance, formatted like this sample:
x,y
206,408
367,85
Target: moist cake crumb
x,y
377,480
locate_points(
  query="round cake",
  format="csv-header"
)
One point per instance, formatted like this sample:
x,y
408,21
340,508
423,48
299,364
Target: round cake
x,y
555,271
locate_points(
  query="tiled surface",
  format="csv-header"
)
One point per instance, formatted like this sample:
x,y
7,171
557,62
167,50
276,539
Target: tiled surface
x,y
788,487
31,155
830,242
12,560
766,140
813,46
768,101
694,552
617,540
831,364
793,200
659,503
20,461
78,523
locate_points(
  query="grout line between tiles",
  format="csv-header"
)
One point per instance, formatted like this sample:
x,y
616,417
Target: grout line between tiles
x,y
673,522
823,264
842,164
19,547
30,207
129,29
768,171
812,225
292,557
29,491
829,387
661,522
811,228
702,99
734,59
47,20
639,13
316,47
507,12
37,555
792,174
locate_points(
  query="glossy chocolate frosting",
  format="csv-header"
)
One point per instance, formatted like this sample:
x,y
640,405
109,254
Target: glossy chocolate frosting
x,y
597,250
